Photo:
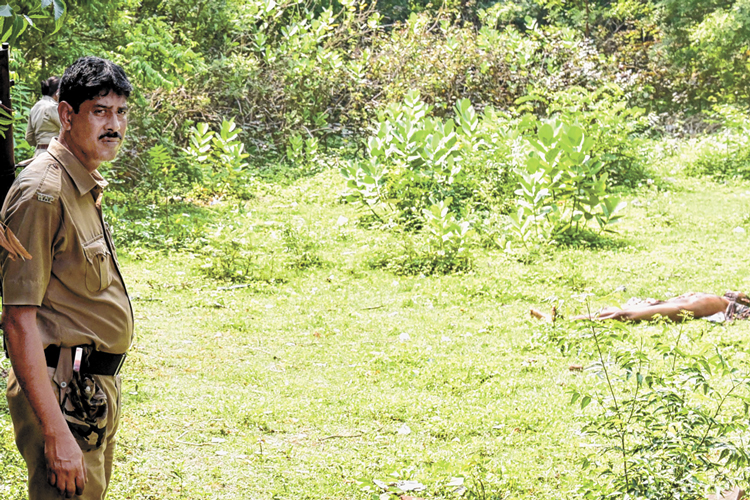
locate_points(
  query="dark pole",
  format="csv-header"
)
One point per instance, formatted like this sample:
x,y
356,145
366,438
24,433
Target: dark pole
x,y
7,159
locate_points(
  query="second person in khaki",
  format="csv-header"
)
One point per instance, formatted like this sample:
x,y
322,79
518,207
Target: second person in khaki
x,y
44,121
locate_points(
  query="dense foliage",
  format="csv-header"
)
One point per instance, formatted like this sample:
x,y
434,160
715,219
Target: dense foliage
x,y
512,120
324,69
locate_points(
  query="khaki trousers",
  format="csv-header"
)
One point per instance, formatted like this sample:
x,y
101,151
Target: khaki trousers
x,y
31,444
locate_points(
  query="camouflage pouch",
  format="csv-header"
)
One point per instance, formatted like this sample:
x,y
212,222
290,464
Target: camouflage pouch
x,y
82,401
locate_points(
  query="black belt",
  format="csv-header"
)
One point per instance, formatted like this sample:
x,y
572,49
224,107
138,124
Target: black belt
x,y
98,362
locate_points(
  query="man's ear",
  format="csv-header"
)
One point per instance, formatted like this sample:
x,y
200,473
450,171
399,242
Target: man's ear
x,y
65,111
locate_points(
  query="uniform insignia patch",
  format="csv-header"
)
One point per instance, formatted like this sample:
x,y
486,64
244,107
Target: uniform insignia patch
x,y
45,198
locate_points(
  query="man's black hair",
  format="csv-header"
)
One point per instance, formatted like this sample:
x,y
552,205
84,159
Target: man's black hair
x,y
90,77
50,85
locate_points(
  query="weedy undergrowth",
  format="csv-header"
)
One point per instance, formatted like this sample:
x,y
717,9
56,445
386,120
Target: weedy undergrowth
x,y
471,479
668,423
442,251
724,155
259,253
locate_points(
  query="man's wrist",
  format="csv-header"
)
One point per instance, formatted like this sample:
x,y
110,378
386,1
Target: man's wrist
x,y
55,430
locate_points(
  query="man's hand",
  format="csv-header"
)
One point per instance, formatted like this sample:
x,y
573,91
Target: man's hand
x,y
66,470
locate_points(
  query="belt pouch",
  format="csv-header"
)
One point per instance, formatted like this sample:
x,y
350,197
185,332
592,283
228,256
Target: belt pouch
x,y
82,401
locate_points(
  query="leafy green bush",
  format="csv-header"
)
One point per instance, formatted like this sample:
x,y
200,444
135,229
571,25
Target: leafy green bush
x,y
704,52
669,424
156,56
446,60
413,160
714,157
441,247
562,188
414,176
230,254
301,249
22,99
443,251
415,258
613,124
303,152
221,160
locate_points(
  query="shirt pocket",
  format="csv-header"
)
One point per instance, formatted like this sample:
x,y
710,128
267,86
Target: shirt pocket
x,y
99,264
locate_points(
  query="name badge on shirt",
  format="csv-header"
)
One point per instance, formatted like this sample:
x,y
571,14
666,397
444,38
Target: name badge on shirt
x,y
45,198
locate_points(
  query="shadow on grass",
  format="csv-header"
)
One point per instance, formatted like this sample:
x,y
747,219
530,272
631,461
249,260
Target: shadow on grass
x,y
593,240
170,226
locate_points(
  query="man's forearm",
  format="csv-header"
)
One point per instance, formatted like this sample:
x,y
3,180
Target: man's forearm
x,y
30,367
66,470
30,135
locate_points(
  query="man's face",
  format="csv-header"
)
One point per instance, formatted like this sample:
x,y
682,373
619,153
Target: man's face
x,y
95,133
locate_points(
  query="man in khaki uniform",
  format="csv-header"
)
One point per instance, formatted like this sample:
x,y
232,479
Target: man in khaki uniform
x,y
71,292
44,122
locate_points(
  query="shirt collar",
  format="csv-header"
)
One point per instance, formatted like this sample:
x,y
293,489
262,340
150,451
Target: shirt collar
x,y
82,178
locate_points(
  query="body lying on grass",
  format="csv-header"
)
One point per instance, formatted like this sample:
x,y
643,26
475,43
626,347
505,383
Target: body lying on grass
x,y
691,305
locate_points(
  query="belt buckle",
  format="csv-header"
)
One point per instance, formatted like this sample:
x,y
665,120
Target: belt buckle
x,y
119,365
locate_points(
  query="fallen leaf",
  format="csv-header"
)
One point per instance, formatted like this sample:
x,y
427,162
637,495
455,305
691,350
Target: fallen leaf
x,y
410,486
7,246
20,250
380,484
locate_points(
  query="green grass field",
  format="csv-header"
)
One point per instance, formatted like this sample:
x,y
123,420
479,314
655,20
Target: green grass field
x,y
340,374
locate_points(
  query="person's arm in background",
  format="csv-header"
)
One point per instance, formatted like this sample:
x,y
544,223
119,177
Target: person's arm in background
x,y
30,138
54,117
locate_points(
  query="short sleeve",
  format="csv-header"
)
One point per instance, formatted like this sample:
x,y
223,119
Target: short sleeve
x,y
53,116
35,219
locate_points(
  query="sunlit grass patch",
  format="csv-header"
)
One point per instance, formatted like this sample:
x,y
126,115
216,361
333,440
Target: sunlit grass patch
x,y
340,374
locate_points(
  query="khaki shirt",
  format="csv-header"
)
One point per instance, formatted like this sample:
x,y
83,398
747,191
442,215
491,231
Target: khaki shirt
x,y
73,276
44,122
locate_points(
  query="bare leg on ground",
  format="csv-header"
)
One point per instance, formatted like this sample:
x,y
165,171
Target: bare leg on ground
x,y
688,306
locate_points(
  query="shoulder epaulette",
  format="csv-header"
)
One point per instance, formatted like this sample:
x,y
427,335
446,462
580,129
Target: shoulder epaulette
x,y
48,188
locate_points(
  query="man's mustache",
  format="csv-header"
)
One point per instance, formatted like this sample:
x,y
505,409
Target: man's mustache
x,y
111,135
